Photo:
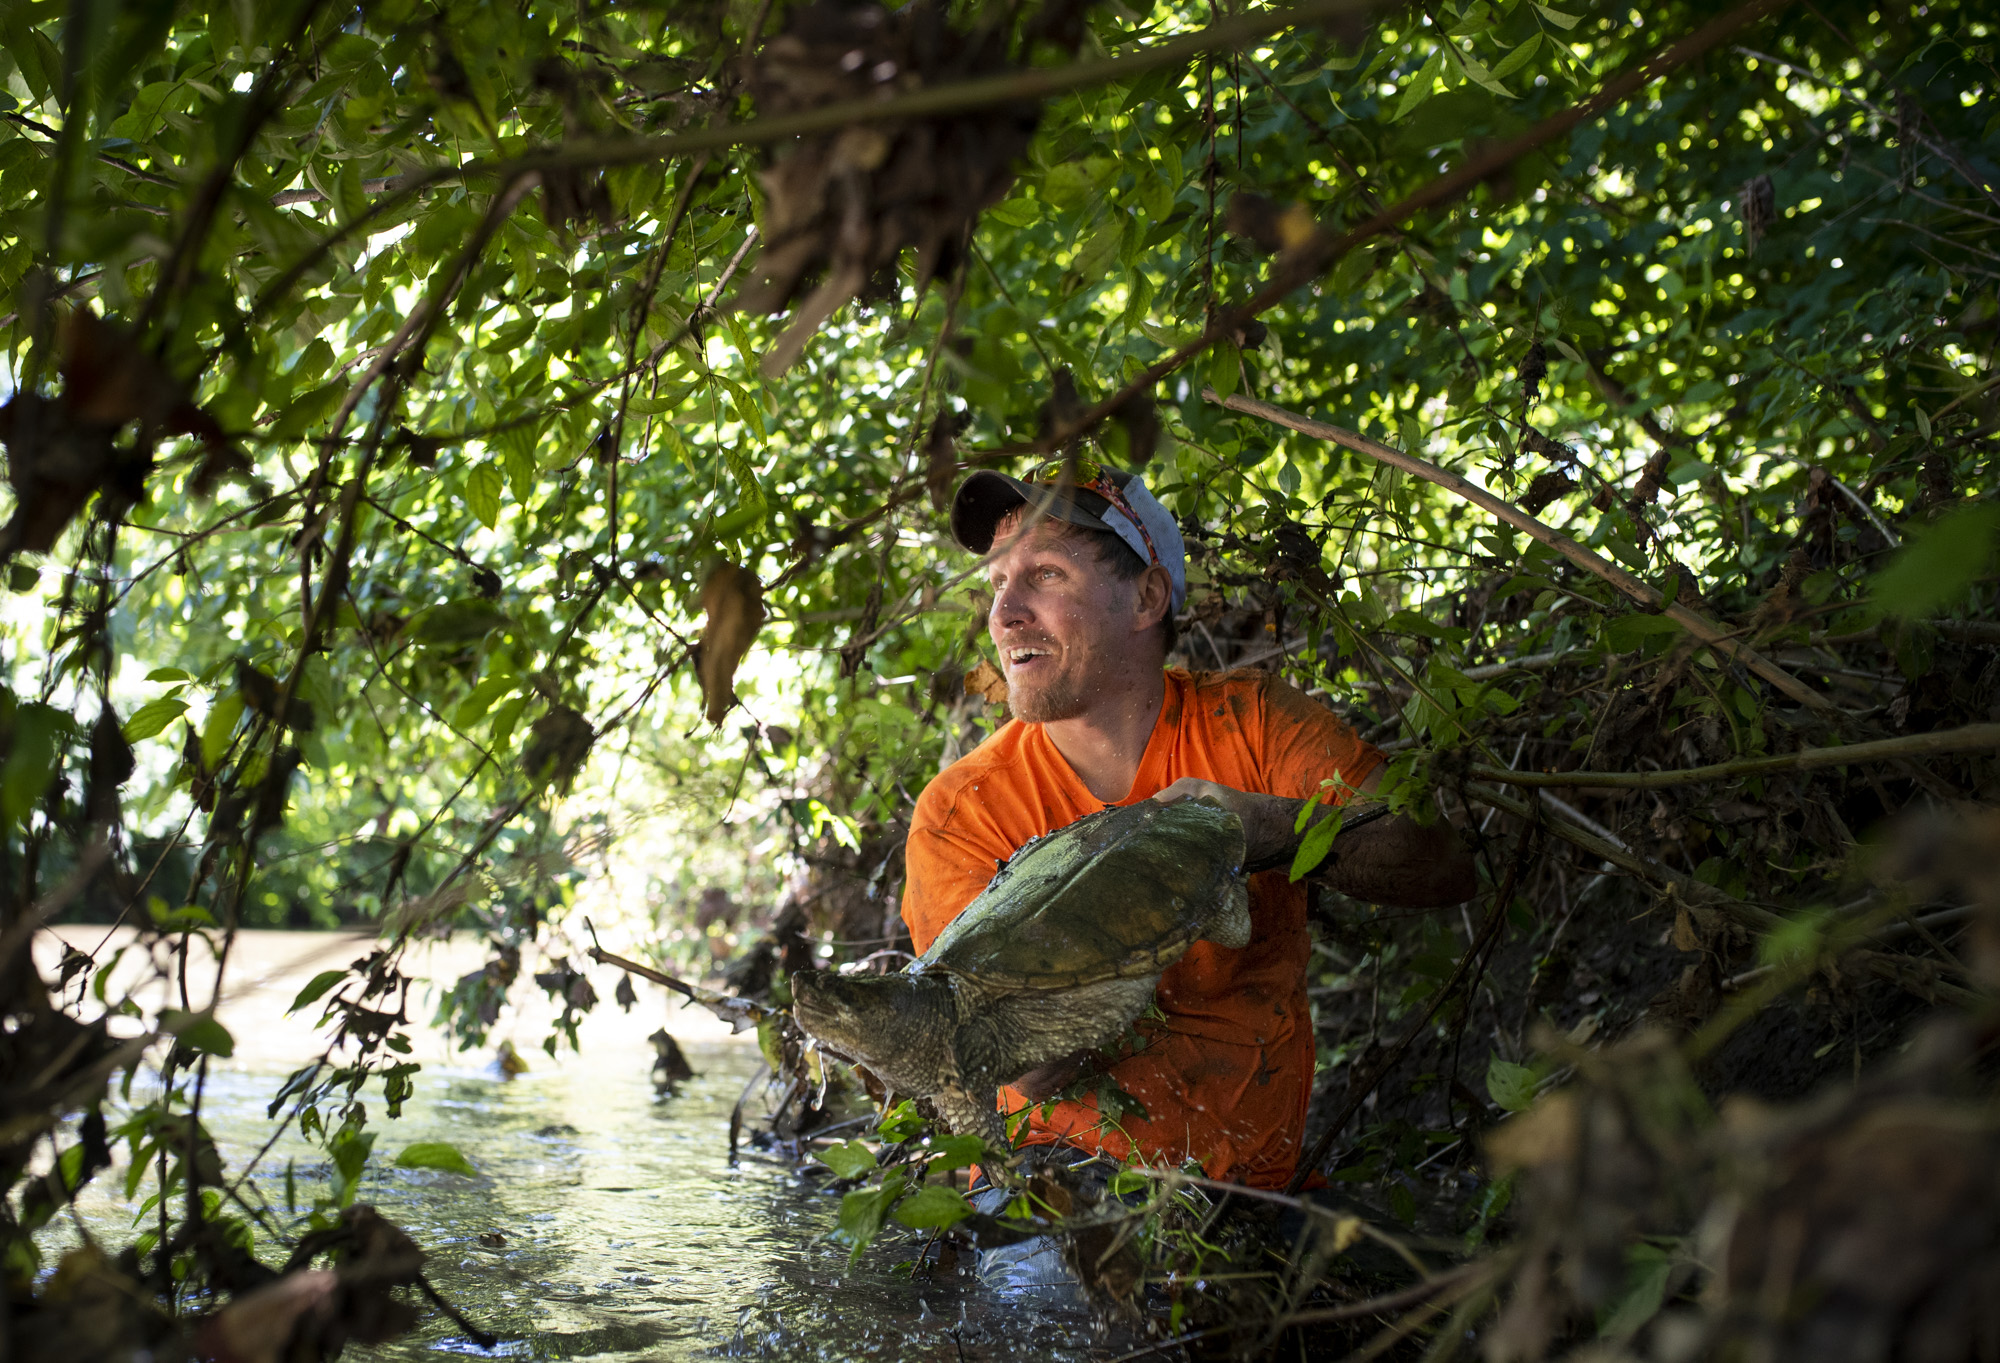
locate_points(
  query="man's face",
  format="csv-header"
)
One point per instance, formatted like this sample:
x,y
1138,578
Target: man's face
x,y
1063,623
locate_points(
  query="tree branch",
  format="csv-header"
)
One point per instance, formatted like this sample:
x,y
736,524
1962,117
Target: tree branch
x,y
1700,626
1971,738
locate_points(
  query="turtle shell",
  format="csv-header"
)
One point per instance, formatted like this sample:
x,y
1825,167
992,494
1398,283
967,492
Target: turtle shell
x,y
1115,895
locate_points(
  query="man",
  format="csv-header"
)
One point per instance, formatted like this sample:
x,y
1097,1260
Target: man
x,y
1086,579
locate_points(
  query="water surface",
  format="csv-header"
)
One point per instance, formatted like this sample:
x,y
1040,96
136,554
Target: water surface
x,y
627,1235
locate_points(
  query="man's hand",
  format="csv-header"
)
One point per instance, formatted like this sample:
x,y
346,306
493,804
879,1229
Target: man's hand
x,y
1046,1081
1389,861
1267,819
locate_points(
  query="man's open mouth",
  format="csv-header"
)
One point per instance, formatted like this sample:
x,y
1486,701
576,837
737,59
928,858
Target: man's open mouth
x,y
1021,657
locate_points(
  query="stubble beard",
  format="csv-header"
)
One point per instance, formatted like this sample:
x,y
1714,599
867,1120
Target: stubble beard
x,y
1047,701
1056,699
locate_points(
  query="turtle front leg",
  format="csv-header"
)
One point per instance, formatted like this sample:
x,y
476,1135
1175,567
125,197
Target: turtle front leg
x,y
969,1113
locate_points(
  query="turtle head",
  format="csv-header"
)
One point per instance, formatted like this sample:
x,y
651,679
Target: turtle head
x,y
899,1026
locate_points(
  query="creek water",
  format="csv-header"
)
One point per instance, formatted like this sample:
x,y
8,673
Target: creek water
x,y
627,1234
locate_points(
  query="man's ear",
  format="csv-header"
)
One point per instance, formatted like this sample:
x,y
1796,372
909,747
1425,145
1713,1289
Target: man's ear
x,y
1153,599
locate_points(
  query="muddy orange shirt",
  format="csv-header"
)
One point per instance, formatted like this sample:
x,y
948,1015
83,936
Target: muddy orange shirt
x,y
1226,1080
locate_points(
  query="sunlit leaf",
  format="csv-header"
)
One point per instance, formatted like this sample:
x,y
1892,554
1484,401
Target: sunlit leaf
x,y
1315,846
152,717
933,1206
1519,57
440,1155
1418,88
848,1160
482,493
316,989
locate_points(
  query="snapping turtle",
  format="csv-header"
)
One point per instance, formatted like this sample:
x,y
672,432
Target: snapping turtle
x,y
1058,954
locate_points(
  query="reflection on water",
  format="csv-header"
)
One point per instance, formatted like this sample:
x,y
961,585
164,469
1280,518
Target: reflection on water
x,y
627,1236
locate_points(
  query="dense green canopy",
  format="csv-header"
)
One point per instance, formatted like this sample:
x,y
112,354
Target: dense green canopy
x,y
406,437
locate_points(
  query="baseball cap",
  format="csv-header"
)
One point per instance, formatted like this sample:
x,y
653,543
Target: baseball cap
x,y
1100,498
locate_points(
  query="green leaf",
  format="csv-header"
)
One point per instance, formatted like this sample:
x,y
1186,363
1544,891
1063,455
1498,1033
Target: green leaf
x,y
348,195
1016,212
474,707
934,1205
1519,57
169,674
863,1211
349,1149
1558,18
31,758
1568,350
21,577
849,1160
956,1152
220,727
900,1122
1096,255
199,1032
1225,368
1647,1270
1315,845
1419,88
744,476
1478,18
1476,70
436,1155
316,989
1071,184
1511,1086
152,717
1939,564
518,458
1139,295
482,494
301,415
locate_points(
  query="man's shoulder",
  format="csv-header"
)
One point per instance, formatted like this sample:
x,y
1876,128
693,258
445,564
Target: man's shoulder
x,y
1261,705
1242,685
992,759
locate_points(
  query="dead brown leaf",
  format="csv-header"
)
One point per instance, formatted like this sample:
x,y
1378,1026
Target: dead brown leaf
x,y
733,601
986,682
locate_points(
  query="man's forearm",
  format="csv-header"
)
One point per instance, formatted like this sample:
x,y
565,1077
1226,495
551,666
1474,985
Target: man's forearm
x,y
1393,860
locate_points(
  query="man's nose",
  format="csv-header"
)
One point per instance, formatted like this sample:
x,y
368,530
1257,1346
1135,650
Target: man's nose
x,y
1010,608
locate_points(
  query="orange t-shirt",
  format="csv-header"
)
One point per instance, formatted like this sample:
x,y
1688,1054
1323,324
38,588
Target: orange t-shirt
x,y
1227,1079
